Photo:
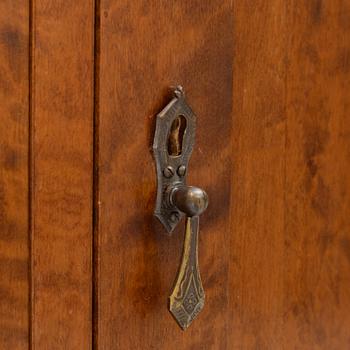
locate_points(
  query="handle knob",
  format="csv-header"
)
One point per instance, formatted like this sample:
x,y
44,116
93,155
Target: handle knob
x,y
189,199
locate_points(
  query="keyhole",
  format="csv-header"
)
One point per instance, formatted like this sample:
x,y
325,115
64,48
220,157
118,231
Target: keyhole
x,y
176,135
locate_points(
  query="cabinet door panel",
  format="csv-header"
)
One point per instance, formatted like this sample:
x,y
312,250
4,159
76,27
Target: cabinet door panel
x,y
269,83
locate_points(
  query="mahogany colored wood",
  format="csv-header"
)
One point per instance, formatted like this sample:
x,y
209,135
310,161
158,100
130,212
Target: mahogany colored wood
x,y
14,112
290,283
256,212
269,82
145,47
316,265
62,127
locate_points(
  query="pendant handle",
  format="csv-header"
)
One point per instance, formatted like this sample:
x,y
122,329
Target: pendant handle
x,y
187,299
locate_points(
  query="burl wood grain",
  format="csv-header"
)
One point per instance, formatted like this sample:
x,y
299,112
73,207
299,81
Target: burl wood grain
x,y
62,127
269,82
14,112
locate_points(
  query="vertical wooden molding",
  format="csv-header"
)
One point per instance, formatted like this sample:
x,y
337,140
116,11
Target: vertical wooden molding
x,y
95,251
14,138
62,173
30,173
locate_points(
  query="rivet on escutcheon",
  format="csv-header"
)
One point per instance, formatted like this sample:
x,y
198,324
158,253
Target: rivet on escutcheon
x,y
168,172
181,170
175,216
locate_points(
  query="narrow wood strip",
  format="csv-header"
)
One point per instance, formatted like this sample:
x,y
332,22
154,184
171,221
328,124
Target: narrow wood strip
x,y
62,178
14,125
96,192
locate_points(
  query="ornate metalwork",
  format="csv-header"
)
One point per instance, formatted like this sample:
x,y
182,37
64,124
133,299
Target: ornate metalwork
x,y
187,299
172,151
171,170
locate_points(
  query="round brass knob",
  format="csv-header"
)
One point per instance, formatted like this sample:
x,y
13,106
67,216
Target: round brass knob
x,y
189,199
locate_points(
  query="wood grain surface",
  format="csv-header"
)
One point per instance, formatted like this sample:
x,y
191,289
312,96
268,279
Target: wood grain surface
x,y
146,47
316,262
256,221
84,264
269,82
14,117
62,133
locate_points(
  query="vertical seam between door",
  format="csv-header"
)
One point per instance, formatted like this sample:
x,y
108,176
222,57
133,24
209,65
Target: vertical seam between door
x,y
31,169
95,242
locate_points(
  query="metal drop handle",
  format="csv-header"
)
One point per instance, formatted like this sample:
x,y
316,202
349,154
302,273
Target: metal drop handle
x,y
187,299
172,147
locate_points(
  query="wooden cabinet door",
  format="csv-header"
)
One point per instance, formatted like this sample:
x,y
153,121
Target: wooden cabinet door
x,y
269,82
84,262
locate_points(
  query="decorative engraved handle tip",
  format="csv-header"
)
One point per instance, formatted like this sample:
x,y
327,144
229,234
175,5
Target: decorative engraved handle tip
x,y
187,298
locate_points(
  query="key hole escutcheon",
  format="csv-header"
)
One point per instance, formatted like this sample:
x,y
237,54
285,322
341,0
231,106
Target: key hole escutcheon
x,y
176,135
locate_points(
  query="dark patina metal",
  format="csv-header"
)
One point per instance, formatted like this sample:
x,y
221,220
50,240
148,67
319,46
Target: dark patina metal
x,y
175,199
171,169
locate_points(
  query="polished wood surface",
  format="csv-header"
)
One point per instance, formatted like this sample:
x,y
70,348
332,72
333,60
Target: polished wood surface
x,y
317,183
257,206
146,47
14,141
84,263
62,152
269,82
